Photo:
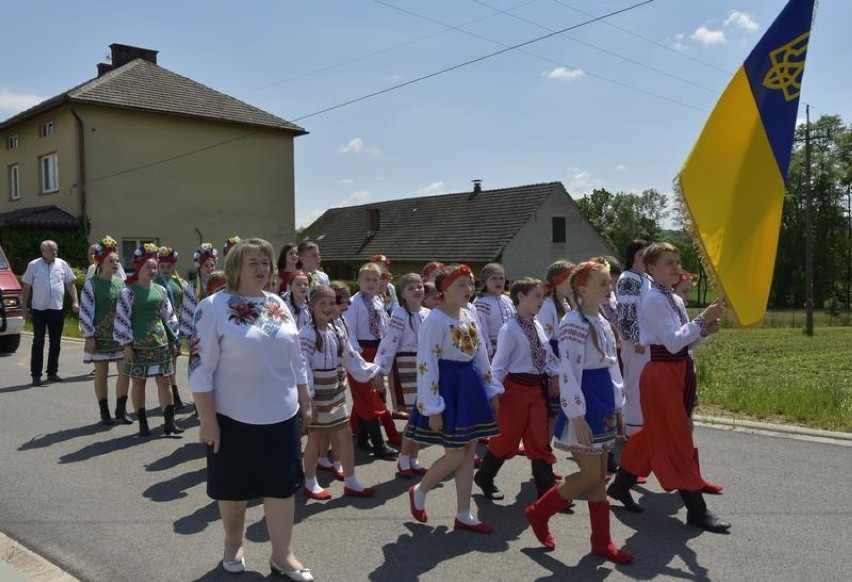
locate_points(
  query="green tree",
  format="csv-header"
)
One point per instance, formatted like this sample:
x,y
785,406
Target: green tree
x,y
624,216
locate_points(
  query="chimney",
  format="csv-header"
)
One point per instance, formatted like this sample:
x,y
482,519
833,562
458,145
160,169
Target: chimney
x,y
477,186
121,54
372,221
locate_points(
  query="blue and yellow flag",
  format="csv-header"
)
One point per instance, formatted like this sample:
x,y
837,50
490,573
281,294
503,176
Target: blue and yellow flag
x,y
732,183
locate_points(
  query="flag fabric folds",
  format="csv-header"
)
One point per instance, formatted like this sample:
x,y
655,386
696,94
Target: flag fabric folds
x,y
732,182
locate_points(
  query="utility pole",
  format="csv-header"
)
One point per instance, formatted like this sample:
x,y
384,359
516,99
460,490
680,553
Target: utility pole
x,y
809,231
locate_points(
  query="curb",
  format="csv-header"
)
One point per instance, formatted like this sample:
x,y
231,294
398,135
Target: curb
x,y
17,562
790,430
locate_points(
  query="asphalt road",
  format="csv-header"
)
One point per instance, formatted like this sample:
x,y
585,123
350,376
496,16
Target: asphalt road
x,y
107,506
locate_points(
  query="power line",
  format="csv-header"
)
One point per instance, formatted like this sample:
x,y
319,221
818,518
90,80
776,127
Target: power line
x,y
646,39
383,91
473,61
603,50
542,57
377,52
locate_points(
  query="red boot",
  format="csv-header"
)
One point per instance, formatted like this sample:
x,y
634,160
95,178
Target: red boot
x,y
601,542
709,487
541,511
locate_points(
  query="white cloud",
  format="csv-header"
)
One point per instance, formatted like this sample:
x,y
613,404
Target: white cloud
x,y
432,189
620,168
679,44
356,146
708,37
346,181
582,181
564,74
357,197
741,20
15,102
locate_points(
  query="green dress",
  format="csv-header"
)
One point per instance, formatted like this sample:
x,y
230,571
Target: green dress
x,y
97,318
145,320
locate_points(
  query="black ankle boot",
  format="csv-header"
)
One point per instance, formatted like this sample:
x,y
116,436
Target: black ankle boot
x,y
698,515
169,425
143,423
620,490
484,477
542,472
611,464
106,419
379,446
121,410
179,405
362,436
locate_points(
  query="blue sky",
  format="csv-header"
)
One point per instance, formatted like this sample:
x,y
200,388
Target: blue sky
x,y
597,107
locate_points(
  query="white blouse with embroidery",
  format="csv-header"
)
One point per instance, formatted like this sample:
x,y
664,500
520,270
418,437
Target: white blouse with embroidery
x,y
327,358
246,351
445,338
579,352
402,336
493,312
358,319
549,318
663,320
514,353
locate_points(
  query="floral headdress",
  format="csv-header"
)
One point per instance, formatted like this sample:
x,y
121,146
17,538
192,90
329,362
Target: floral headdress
x,y
104,248
381,259
145,252
229,244
204,252
168,255
686,277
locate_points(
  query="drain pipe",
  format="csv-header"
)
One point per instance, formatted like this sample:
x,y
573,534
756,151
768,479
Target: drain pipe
x,y
81,172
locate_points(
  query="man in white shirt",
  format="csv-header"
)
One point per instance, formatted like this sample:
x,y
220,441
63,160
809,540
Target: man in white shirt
x,y
47,279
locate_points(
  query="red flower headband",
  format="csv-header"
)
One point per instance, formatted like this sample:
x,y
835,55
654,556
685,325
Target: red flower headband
x,y
582,271
144,253
428,271
104,248
381,259
687,277
460,271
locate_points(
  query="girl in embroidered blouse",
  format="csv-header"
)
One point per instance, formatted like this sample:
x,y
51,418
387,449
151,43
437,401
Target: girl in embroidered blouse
x,y
456,395
667,388
175,286
493,306
288,259
97,316
144,326
327,351
397,357
557,288
590,385
296,298
204,260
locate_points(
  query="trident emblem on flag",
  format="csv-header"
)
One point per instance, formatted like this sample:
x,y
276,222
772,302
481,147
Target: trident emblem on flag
x,y
788,64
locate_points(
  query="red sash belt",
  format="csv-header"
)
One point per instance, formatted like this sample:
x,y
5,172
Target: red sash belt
x,y
690,384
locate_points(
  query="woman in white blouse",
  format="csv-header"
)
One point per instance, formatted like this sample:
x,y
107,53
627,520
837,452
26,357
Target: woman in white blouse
x,y
249,382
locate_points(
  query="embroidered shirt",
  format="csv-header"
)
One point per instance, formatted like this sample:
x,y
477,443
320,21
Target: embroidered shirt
x,y
514,354
402,336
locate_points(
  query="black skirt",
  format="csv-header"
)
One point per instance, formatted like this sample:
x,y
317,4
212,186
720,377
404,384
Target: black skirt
x,y
255,460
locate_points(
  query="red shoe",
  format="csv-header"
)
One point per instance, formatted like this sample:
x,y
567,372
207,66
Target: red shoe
x,y
404,473
418,514
337,474
482,528
323,495
419,471
477,462
365,492
640,480
711,488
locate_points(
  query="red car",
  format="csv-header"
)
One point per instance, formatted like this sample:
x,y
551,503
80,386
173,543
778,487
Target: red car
x,y
11,314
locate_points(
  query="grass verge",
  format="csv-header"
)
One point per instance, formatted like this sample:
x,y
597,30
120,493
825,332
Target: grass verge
x,y
780,375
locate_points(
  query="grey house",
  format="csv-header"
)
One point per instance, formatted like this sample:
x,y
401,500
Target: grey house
x,y
525,228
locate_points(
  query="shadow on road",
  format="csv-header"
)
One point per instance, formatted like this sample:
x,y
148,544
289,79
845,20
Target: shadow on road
x,y
60,436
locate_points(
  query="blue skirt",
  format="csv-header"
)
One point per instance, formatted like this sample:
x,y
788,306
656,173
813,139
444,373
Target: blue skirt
x,y
600,406
467,412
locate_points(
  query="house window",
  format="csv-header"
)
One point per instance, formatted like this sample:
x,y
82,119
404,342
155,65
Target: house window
x,y
12,142
558,229
14,182
47,129
49,167
129,246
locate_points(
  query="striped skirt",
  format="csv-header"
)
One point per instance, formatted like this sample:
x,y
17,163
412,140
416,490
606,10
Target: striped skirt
x,y
329,400
405,376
